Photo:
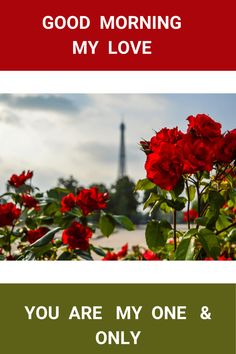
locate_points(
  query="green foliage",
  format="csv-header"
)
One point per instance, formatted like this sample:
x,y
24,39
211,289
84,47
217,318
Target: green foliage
x,y
46,238
208,233
124,221
192,192
106,224
179,188
215,200
209,242
124,200
186,247
156,234
177,204
144,185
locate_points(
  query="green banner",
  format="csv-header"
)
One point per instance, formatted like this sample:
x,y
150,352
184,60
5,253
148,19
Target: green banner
x,y
82,318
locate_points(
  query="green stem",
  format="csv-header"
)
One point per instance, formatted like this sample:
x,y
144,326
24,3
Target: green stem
x,y
9,239
175,236
198,199
226,228
221,172
204,209
188,205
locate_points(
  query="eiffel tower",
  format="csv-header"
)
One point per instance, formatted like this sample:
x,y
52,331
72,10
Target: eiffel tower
x,y
122,158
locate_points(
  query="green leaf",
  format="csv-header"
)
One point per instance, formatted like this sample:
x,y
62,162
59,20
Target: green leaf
x,y
215,199
50,209
124,221
185,250
177,204
31,223
222,222
98,251
144,185
156,234
192,192
232,195
39,251
232,236
75,212
164,207
57,193
179,187
153,197
202,220
65,256
84,255
209,242
46,238
204,175
106,224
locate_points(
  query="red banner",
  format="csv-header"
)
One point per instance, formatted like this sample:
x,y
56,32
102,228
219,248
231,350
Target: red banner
x,y
124,35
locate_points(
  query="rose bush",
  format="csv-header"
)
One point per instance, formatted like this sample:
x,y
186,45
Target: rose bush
x,y
195,167
190,175
56,225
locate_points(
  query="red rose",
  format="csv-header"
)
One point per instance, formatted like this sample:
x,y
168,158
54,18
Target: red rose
x,y
19,180
227,149
198,154
68,202
171,136
223,258
220,258
123,252
77,236
91,199
203,126
193,214
8,214
164,167
30,202
148,255
110,256
10,258
34,235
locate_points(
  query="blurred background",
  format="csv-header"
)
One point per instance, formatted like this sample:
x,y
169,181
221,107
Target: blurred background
x,y
75,140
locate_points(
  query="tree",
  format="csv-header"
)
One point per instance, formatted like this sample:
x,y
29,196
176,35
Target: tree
x,y
69,183
123,199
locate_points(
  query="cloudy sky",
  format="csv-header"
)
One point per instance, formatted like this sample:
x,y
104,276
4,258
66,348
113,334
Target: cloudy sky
x,y
78,134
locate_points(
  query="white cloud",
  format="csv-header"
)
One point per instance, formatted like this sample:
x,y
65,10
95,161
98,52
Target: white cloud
x,y
60,135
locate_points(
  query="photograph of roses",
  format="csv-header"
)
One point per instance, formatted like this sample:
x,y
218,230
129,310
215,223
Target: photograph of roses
x,y
118,177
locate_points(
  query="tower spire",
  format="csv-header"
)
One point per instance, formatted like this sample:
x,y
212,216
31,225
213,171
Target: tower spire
x,y
122,167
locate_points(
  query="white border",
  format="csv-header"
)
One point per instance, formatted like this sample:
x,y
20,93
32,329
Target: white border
x,y
201,272
22,82
117,82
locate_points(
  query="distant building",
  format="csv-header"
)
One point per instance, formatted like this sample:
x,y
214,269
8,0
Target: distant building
x,y
122,156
